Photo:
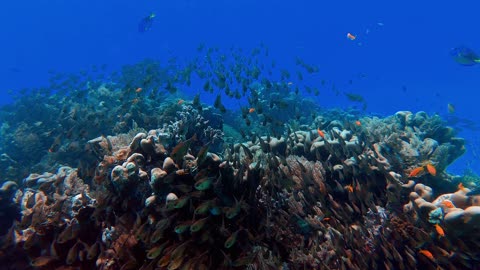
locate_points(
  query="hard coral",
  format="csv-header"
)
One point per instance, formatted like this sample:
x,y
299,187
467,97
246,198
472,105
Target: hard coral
x,y
303,199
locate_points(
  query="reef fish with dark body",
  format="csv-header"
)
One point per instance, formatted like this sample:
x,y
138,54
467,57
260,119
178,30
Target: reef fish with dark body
x,y
146,23
464,56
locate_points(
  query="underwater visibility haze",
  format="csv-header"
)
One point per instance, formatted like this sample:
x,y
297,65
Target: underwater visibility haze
x,y
239,135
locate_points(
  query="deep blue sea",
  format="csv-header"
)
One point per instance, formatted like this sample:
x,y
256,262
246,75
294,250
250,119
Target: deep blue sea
x,y
399,60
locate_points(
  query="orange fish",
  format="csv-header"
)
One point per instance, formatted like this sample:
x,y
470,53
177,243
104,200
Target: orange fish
x,y
351,37
326,219
349,188
251,110
415,172
427,254
431,169
320,133
448,204
440,231
180,102
358,123
138,90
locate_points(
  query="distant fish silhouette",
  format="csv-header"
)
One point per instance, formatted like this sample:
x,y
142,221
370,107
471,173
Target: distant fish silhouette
x,y
464,56
450,108
146,23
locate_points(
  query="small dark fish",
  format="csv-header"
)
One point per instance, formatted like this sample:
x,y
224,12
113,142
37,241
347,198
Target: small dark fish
x,y
156,251
204,183
181,149
242,261
72,254
206,86
92,251
196,101
203,208
43,261
265,145
181,202
231,239
242,133
171,88
146,23
218,104
231,212
247,151
451,108
354,97
202,154
198,225
182,227
55,145
183,188
215,211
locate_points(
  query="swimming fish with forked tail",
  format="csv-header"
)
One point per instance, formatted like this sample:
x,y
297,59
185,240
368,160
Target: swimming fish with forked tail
x,y
464,56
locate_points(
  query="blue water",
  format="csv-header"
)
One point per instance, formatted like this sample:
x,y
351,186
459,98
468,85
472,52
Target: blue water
x,y
401,50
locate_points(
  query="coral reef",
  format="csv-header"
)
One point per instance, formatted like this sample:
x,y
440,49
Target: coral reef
x,y
122,173
317,199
